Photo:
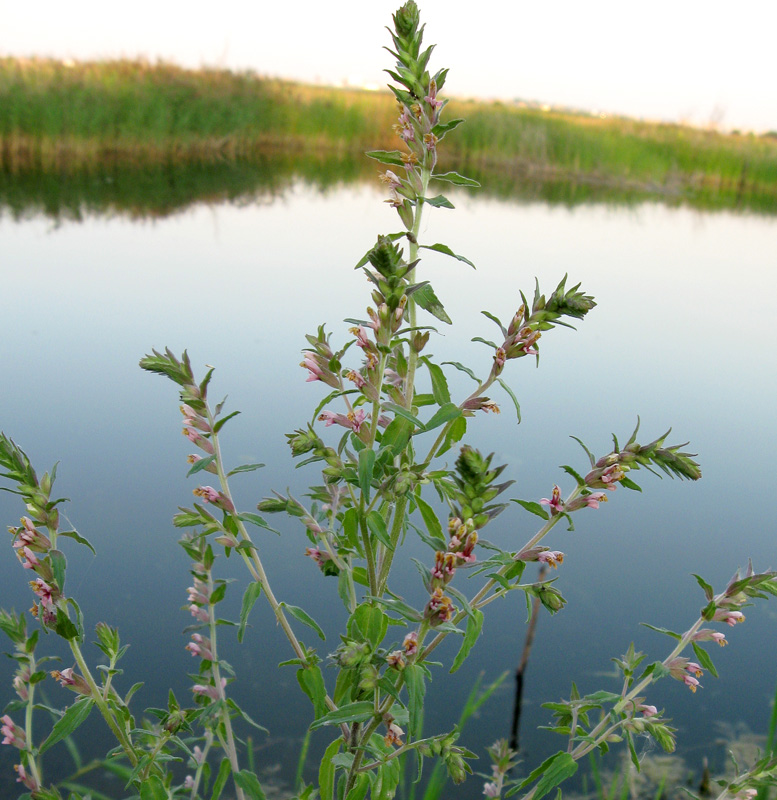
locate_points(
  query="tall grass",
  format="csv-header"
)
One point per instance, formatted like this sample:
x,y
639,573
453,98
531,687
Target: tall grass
x,y
66,117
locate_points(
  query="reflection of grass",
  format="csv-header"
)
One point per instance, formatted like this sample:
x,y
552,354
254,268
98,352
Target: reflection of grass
x,y
70,118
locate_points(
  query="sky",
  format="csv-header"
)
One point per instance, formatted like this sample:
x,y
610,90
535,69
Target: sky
x,y
703,62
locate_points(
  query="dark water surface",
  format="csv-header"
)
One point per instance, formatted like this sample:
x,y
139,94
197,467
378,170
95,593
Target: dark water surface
x,y
683,336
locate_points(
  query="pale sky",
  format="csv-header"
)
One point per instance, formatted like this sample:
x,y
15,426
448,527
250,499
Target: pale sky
x,y
698,61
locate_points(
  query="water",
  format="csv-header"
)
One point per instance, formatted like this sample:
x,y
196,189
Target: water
x,y
683,336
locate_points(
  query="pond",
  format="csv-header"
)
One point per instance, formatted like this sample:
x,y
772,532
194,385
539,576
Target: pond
x,y
683,336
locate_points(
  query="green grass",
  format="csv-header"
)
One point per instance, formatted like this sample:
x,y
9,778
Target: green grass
x,y
68,118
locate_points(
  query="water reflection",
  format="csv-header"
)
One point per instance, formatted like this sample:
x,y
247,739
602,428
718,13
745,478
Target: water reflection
x,y
162,190
683,335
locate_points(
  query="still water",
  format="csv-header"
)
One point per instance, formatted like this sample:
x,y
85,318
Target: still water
x,y
683,336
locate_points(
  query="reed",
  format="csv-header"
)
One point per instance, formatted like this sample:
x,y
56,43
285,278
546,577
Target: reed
x,y
66,117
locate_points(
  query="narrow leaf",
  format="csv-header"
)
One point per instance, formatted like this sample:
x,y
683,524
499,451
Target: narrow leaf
x,y
443,248
304,618
366,466
474,627
377,526
72,719
250,596
352,712
456,179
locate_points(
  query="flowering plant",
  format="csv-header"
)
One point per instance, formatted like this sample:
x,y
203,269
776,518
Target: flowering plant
x,y
383,477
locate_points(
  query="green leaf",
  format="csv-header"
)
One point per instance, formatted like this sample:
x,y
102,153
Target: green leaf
x,y
244,468
360,788
474,627
58,566
427,299
377,526
627,483
511,393
446,413
464,369
72,719
553,770
439,201
403,412
326,772
352,712
455,434
432,522
371,623
439,384
443,248
570,471
221,779
64,627
442,128
391,157
255,519
456,179
249,783
662,630
200,465
534,508
223,421
152,788
414,680
704,659
397,435
709,593
78,538
366,466
250,596
304,618
311,681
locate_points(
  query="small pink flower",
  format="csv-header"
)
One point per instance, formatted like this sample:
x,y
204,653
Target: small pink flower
x,y
207,493
491,789
410,643
198,754
26,779
199,593
44,592
500,356
729,617
30,560
188,782
691,682
551,557
356,378
208,690
592,500
71,680
394,734
12,733
200,646
694,669
20,686
555,502
648,711
356,419
199,440
396,659
199,613
707,635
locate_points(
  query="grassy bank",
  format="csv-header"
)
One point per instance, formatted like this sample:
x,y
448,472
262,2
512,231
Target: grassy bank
x,y
56,117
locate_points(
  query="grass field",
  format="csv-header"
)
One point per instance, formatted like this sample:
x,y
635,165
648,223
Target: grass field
x,y
82,117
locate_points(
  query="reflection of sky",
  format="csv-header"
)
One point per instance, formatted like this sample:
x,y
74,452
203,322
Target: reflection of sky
x,y
706,62
682,336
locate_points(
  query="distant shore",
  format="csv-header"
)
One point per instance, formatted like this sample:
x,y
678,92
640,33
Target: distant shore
x,y
70,117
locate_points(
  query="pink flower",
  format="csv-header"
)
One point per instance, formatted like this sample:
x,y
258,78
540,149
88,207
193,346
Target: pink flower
x,y
694,669
26,779
12,733
592,500
394,734
707,635
209,690
20,686
71,680
200,441
44,592
410,643
551,557
490,790
199,593
555,502
29,561
356,378
200,646
691,682
207,493
648,711
729,617
188,782
199,613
